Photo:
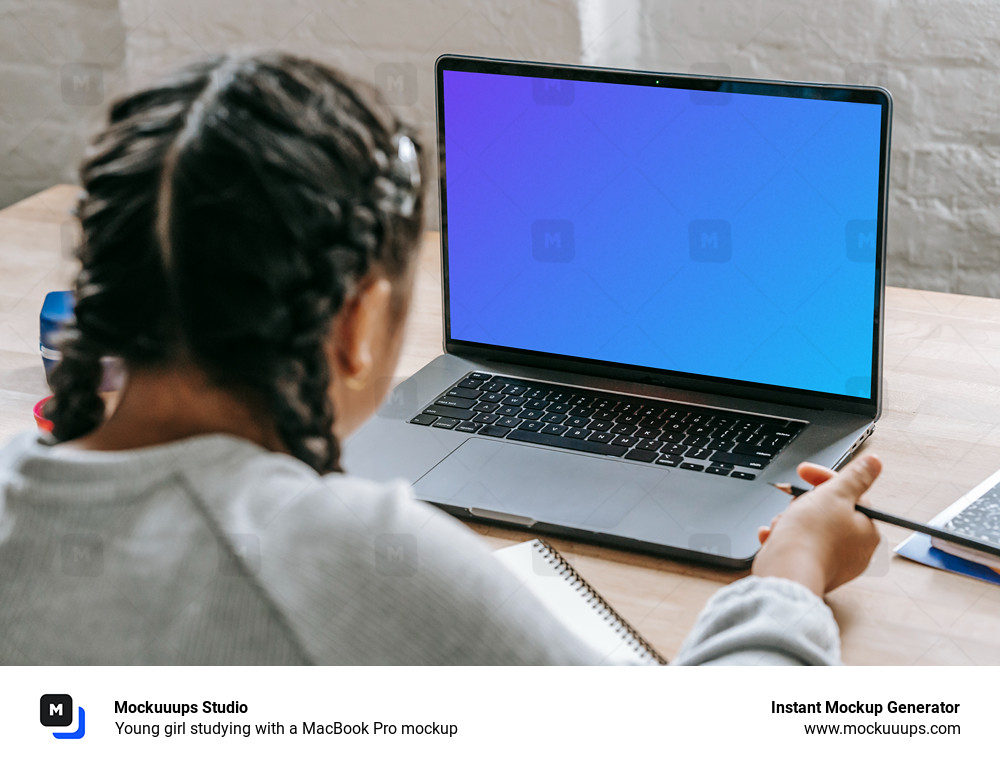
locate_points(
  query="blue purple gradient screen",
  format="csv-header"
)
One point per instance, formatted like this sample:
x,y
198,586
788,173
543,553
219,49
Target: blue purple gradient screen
x,y
726,235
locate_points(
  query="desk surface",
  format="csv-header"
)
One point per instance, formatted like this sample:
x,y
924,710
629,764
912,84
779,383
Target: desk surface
x,y
938,437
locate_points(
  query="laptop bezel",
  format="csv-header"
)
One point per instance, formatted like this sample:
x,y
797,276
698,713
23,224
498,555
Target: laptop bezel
x,y
871,407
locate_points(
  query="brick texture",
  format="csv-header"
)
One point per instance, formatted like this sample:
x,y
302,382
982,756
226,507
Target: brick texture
x,y
62,60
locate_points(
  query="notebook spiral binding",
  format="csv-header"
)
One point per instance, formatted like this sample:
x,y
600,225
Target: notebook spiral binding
x,y
608,612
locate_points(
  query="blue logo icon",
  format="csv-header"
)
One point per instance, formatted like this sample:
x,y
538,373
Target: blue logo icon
x,y
56,710
711,241
860,237
552,92
552,241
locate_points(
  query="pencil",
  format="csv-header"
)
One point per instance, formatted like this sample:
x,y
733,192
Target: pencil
x,y
941,534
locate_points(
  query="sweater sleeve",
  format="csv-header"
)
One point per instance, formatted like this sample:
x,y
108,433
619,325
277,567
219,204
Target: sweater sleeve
x,y
763,621
368,575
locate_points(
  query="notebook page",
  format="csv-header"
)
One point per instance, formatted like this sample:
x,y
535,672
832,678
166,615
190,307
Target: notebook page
x,y
571,603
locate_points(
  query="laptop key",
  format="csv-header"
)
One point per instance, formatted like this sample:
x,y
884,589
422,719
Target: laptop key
x,y
673,449
697,453
580,445
625,441
469,383
577,433
485,417
718,470
692,466
577,422
515,390
531,425
493,386
467,426
602,437
553,430
750,449
423,420
553,417
509,422
721,445
649,444
508,411
642,455
479,376
493,431
453,401
448,412
743,475
531,414
601,425
464,393
670,460
781,431
746,461
623,429
516,401
559,407
491,397
536,404
772,445
447,423
486,407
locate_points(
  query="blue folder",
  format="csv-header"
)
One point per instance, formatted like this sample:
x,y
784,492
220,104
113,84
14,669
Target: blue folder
x,y
917,547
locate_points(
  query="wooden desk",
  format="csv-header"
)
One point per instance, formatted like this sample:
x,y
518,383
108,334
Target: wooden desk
x,y
938,437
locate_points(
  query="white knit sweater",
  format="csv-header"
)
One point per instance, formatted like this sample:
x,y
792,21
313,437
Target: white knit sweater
x,y
212,550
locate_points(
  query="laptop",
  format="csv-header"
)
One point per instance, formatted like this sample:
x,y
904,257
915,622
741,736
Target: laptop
x,y
661,293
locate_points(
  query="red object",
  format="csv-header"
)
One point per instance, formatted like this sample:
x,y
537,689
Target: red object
x,y
44,424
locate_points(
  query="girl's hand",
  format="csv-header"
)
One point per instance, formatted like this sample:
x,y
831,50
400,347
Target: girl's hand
x,y
820,540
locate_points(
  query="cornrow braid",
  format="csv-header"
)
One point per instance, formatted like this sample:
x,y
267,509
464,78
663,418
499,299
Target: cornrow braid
x,y
121,307
267,201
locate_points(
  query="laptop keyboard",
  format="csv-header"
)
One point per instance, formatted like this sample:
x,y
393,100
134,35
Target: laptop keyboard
x,y
713,441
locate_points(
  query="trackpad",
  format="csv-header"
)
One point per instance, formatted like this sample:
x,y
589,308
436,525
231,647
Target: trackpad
x,y
538,484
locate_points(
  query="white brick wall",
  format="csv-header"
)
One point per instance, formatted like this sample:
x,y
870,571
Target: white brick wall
x,y
940,59
58,59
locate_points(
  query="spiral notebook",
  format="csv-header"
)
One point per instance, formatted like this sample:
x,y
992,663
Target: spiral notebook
x,y
555,582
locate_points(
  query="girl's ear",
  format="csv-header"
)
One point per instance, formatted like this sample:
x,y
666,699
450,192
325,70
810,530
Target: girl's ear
x,y
359,325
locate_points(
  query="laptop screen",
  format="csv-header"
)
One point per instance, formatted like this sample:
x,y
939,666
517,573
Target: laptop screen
x,y
728,235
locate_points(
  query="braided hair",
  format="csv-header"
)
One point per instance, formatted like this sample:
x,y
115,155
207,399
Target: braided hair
x,y
228,213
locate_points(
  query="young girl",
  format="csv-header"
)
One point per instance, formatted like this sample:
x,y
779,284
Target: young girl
x,y
249,226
